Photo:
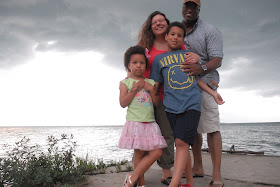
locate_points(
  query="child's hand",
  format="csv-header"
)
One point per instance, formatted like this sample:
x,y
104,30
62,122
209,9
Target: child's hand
x,y
148,86
219,100
137,86
153,92
191,58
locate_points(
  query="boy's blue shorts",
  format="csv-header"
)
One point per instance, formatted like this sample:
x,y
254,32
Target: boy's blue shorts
x,y
184,125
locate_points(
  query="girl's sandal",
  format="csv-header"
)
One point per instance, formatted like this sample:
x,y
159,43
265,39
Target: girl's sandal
x,y
127,179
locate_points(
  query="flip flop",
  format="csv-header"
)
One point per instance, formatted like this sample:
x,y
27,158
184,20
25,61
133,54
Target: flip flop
x,y
166,181
198,175
215,184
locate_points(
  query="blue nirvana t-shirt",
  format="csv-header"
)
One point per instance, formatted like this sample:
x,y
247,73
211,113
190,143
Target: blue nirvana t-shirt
x,y
181,92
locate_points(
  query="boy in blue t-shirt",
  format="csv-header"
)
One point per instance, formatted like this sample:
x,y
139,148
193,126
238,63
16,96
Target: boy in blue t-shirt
x,y
182,99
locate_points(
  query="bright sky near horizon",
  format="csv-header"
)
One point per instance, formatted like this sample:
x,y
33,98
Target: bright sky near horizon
x,y
61,61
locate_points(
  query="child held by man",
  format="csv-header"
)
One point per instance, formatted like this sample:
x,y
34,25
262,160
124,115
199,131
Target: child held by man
x,y
182,99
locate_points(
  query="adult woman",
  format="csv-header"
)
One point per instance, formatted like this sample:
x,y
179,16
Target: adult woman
x,y
152,37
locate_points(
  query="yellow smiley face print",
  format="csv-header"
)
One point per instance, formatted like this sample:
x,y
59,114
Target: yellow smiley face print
x,y
178,79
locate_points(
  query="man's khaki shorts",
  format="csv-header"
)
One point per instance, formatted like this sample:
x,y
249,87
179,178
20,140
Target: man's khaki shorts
x,y
209,120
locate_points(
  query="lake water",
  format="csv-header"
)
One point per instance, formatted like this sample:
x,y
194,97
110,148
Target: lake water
x,y
101,142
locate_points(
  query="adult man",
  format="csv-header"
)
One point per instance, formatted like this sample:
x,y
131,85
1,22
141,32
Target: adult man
x,y
206,41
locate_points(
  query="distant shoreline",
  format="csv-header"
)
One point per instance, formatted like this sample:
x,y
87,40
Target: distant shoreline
x,y
223,123
246,137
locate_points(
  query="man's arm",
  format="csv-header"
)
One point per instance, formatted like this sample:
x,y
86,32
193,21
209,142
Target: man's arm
x,y
196,69
214,48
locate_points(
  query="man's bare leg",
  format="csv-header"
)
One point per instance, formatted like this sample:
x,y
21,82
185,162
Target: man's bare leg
x,y
215,146
197,168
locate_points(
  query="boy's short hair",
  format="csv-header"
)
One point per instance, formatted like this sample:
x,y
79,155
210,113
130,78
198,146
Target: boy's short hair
x,y
132,51
176,24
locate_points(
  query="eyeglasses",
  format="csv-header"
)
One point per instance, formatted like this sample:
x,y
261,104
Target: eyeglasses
x,y
159,20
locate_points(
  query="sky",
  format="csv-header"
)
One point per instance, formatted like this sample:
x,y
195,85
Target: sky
x,y
61,61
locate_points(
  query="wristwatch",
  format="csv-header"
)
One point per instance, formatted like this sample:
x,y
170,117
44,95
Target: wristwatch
x,y
204,68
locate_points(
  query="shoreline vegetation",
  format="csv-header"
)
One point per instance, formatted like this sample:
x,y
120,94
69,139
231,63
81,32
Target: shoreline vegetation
x,y
29,166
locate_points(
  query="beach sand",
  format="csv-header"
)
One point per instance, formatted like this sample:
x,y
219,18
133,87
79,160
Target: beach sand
x,y
237,171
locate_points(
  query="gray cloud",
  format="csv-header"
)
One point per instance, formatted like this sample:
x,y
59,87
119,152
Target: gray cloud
x,y
108,27
250,31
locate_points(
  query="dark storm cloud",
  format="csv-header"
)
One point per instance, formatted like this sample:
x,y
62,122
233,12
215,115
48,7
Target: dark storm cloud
x,y
250,31
108,27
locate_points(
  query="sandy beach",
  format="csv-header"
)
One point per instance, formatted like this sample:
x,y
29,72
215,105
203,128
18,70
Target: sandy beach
x,y
237,171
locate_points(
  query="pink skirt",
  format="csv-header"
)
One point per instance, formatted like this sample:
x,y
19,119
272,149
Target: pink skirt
x,y
142,136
